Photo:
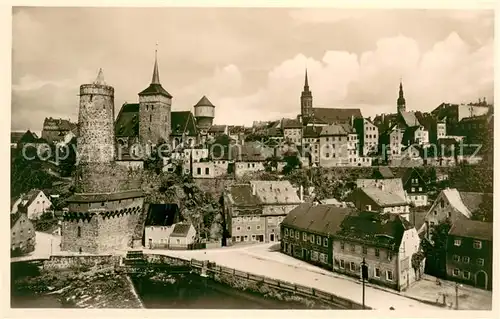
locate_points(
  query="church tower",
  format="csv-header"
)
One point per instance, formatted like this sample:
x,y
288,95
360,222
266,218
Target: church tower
x,y
401,99
306,100
154,111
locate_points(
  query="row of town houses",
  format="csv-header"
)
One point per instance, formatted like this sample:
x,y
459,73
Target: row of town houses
x,y
375,223
322,137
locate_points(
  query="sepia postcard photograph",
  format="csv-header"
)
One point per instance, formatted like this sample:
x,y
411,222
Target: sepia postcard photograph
x,y
276,158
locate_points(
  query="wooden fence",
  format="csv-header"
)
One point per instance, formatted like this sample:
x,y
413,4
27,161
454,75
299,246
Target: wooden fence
x,y
309,292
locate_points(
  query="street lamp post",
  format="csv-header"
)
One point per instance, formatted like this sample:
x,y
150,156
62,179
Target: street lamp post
x,y
364,275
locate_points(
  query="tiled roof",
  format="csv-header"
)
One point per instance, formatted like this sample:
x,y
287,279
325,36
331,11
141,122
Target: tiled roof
x,y
334,115
127,122
233,129
57,124
204,101
155,89
409,119
217,129
409,173
29,198
383,198
312,131
426,120
473,200
291,123
182,122
180,230
473,229
383,172
247,153
455,199
90,198
14,218
333,129
275,192
374,228
385,122
321,219
241,195
161,214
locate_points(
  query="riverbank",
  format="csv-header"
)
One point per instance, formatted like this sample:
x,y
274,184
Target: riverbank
x,y
71,288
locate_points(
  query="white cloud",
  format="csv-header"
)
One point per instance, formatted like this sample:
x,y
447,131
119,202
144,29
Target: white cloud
x,y
449,71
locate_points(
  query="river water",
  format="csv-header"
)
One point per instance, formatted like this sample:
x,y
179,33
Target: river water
x,y
179,292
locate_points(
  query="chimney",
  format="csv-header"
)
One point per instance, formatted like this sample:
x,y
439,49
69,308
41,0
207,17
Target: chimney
x,y
253,189
301,193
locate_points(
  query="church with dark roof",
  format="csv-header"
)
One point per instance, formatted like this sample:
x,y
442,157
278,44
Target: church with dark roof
x,y
152,122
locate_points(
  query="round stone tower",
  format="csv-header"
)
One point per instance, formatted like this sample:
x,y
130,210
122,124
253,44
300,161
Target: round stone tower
x,y
204,112
96,142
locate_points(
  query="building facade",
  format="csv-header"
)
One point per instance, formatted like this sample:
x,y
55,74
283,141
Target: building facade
x,y
22,234
415,187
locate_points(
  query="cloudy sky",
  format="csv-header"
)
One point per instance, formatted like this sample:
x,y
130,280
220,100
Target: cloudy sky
x,y
250,62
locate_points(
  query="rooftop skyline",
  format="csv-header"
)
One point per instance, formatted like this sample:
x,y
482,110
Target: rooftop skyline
x,y
250,63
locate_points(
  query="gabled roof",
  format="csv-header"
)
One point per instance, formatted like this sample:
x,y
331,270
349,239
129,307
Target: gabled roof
x,y
16,136
312,131
183,122
383,198
29,198
14,218
382,172
290,123
217,129
204,101
472,200
334,115
321,219
333,129
409,173
162,214
455,199
241,195
180,230
275,192
409,119
127,122
375,229
472,229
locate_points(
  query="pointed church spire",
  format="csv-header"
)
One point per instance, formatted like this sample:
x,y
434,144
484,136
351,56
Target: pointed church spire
x,y
100,78
401,99
156,73
401,94
306,83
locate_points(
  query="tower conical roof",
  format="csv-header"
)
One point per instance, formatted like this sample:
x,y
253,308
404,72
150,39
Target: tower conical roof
x,y
156,73
100,78
204,101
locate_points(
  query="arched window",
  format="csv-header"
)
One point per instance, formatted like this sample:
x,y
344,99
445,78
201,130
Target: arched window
x,y
79,232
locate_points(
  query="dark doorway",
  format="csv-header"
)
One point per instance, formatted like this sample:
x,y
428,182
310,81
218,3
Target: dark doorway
x,y
482,280
271,237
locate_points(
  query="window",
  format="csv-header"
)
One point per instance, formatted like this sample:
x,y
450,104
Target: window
x,y
389,275
465,259
466,275
389,255
314,255
376,273
325,242
352,266
420,189
353,247
286,232
377,252
291,232
297,235
312,239
318,240
248,227
207,170
458,242
253,237
442,203
304,236
413,189
342,246
342,266
323,258
258,227
477,244
480,261
198,170
79,232
456,258
246,237
456,272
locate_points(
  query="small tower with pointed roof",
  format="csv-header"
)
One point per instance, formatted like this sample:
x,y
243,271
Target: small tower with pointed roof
x,y
401,99
155,105
204,112
306,100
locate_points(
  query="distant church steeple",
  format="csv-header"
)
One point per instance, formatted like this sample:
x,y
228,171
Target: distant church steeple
x,y
401,98
156,73
306,99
